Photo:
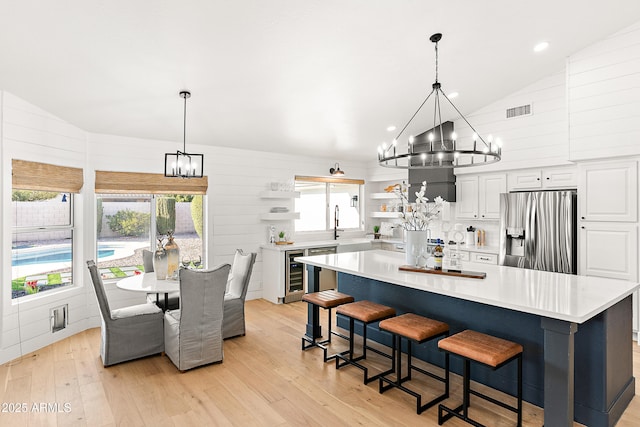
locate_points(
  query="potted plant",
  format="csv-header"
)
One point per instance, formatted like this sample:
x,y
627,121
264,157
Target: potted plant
x,y
376,231
281,236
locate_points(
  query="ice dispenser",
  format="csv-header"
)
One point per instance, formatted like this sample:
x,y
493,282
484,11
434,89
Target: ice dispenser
x,y
513,229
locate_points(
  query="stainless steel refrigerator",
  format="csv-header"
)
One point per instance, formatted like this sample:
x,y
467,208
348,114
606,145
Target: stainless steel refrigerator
x,y
538,230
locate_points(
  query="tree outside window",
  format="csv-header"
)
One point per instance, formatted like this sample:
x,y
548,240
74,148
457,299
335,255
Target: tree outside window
x,y
133,223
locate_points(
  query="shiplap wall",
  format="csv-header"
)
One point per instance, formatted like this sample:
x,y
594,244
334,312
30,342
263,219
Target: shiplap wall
x,y
604,97
528,141
31,133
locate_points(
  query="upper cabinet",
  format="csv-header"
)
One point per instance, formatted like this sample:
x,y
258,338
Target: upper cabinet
x,y
608,191
478,196
543,179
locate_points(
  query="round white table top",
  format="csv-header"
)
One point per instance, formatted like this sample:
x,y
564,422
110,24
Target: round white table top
x,y
147,282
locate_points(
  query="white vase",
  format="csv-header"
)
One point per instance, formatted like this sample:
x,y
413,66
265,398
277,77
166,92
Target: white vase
x,y
416,249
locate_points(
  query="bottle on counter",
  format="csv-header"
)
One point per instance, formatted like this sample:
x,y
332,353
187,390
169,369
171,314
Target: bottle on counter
x,y
438,254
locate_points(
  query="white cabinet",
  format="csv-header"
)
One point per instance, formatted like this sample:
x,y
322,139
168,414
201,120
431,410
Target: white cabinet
x,y
273,280
467,197
489,189
478,196
609,250
484,258
608,191
543,179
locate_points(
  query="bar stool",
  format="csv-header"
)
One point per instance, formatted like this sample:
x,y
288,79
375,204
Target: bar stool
x,y
365,312
487,350
327,300
416,329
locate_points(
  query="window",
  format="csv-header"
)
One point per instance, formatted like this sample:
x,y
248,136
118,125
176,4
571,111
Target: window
x,y
321,198
42,241
125,227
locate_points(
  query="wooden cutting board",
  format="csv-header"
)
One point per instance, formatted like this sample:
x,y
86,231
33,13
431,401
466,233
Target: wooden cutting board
x,y
455,273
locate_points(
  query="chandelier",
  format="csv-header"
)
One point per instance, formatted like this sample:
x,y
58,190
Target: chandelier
x,y
439,147
182,164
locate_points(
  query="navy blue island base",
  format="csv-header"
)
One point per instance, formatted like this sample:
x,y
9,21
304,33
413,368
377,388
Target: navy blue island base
x,y
574,371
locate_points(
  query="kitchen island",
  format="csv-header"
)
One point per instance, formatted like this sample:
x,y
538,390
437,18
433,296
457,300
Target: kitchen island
x,y
571,327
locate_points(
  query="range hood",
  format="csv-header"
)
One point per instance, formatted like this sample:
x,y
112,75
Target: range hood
x,y
440,181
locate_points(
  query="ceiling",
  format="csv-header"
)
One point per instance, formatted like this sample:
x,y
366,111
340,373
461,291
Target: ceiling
x,y
322,78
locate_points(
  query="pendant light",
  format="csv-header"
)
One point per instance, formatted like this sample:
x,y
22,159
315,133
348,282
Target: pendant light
x,y
182,164
440,146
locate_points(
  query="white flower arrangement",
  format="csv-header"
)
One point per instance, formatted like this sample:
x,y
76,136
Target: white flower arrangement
x,y
417,216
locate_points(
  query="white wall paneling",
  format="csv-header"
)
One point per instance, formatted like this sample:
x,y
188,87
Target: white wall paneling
x,y
31,133
529,141
604,97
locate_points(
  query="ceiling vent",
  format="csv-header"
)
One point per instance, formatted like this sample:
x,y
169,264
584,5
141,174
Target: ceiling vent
x,y
523,110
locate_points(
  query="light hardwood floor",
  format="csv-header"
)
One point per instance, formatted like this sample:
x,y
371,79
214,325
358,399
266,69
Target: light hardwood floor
x,y
265,380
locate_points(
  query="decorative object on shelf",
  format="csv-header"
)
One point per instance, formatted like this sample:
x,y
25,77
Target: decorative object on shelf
x,y
336,170
439,150
173,257
376,231
160,261
391,188
282,236
354,202
182,164
279,209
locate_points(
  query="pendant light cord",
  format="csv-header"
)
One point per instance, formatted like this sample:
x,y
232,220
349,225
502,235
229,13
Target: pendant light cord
x,y
184,128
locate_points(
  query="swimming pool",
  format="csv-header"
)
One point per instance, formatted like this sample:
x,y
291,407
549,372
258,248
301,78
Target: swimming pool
x,y
59,253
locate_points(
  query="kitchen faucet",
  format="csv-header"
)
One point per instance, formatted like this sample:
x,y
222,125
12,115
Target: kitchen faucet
x,y
336,214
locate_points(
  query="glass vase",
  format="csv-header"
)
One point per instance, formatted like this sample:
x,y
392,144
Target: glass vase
x,y
416,248
160,261
173,257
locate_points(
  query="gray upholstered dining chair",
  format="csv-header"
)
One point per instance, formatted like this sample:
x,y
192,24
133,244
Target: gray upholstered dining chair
x,y
127,333
193,333
173,299
236,292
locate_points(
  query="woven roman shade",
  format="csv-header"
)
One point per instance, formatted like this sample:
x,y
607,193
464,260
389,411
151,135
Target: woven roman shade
x,y
147,183
26,175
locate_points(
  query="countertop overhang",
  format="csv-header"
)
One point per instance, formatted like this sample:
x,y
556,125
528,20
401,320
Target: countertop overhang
x,y
555,295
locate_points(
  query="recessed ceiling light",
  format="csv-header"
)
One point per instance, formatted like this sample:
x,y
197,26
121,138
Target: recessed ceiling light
x,y
453,95
391,128
540,46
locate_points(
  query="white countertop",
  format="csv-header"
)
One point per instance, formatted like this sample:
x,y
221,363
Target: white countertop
x,y
315,244
356,241
555,295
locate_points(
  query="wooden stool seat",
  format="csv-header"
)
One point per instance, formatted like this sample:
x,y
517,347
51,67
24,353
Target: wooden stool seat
x,y
488,350
365,312
419,329
483,348
414,327
328,300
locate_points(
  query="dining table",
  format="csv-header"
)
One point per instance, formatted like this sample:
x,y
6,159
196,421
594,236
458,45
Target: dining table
x,y
150,284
